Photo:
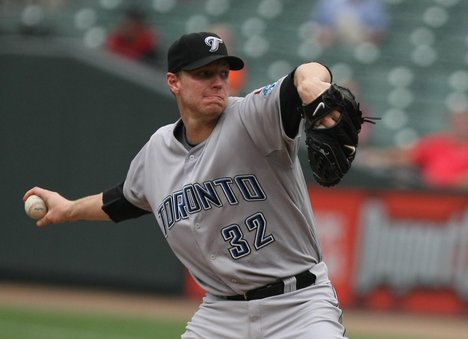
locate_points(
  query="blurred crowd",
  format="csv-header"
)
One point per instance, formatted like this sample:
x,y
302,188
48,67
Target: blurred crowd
x,y
134,39
436,160
350,21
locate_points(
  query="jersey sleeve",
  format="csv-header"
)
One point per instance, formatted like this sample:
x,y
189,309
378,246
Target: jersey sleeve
x,y
134,185
271,115
261,113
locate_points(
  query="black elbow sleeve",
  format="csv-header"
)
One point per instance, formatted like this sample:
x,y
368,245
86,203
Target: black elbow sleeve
x,y
290,101
117,207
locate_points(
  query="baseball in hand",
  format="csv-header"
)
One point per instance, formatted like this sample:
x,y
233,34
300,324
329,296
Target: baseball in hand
x,y
35,207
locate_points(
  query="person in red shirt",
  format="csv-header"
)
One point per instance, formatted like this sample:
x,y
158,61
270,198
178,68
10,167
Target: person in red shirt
x,y
440,158
134,39
443,157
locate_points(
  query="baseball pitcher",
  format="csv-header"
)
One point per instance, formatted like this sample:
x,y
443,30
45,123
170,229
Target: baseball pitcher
x,y
227,191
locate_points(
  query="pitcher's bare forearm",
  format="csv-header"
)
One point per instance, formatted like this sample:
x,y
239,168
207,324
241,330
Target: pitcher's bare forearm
x,y
87,208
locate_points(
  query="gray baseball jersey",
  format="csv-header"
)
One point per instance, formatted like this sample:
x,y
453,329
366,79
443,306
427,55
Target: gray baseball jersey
x,y
235,208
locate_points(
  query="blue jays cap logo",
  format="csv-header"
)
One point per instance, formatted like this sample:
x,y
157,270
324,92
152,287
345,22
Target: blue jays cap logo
x,y
213,42
189,52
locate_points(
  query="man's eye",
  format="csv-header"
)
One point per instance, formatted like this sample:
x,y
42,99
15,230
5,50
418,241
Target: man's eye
x,y
209,74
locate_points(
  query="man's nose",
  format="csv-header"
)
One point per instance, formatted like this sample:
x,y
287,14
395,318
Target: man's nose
x,y
219,79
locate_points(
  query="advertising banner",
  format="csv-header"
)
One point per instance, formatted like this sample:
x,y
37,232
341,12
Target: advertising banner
x,y
395,249
392,250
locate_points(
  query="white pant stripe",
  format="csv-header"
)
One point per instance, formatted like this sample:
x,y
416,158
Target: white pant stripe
x,y
289,284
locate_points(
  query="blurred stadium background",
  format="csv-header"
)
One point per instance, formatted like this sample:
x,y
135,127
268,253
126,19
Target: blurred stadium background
x,y
73,115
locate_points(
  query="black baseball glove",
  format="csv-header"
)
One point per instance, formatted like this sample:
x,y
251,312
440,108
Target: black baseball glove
x,y
332,150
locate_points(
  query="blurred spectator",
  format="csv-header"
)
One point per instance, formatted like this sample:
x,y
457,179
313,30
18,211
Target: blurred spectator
x,y
440,158
237,79
36,18
350,21
135,39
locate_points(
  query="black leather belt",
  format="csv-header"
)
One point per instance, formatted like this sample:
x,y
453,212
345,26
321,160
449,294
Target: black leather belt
x,y
302,280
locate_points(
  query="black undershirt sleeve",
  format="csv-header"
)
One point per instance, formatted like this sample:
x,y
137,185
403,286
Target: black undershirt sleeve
x,y
290,103
117,207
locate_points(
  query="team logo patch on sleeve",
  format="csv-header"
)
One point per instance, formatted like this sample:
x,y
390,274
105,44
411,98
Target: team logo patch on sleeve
x,y
266,90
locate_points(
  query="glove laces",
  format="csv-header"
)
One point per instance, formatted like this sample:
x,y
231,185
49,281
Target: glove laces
x,y
370,120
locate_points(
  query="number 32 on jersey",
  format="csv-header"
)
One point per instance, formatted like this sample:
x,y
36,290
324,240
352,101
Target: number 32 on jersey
x,y
235,236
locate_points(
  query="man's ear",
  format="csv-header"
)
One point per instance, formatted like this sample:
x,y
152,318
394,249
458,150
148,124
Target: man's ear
x,y
172,82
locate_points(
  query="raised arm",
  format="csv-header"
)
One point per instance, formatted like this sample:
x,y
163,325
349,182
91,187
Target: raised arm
x,y
333,121
62,210
301,87
311,80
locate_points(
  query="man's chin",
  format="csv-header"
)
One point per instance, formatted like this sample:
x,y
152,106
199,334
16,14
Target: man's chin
x,y
216,107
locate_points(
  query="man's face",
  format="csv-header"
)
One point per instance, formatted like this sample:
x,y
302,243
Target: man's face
x,y
203,92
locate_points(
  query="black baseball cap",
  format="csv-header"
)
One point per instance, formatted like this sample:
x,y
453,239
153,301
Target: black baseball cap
x,y
195,50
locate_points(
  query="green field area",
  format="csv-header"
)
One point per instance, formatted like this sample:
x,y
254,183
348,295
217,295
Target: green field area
x,y
20,323
16,323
